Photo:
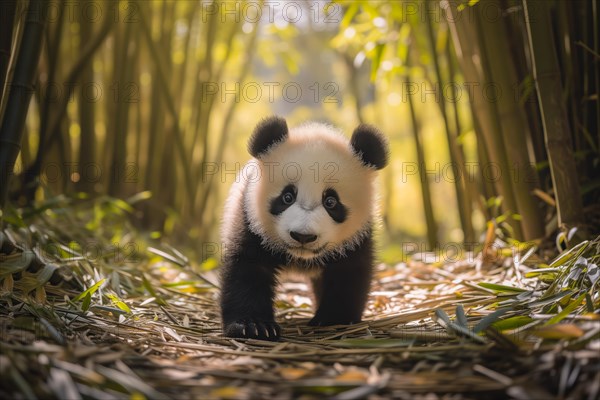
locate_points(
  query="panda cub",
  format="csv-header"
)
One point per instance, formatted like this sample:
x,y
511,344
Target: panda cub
x,y
305,202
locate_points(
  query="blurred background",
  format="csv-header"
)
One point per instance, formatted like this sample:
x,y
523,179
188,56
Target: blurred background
x,y
152,103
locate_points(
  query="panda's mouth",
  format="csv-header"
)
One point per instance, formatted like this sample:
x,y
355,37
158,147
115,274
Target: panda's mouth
x,y
305,252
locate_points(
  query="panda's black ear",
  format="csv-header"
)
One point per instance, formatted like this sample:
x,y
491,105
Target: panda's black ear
x,y
370,145
268,132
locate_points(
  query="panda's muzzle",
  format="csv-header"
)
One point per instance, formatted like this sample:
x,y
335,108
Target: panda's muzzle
x,y
303,238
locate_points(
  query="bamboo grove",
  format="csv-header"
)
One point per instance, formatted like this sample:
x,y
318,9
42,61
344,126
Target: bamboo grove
x,y
75,124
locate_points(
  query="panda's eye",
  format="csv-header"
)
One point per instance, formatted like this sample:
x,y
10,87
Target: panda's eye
x,y
287,198
330,202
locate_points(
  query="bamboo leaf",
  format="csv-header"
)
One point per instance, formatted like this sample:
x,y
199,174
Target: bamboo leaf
x,y
593,273
589,303
136,198
15,263
372,343
119,303
87,300
568,310
442,318
349,13
489,319
461,318
501,288
152,292
512,323
550,299
559,331
376,60
90,291
570,254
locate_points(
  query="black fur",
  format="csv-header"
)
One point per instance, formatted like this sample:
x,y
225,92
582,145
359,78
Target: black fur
x,y
268,132
339,213
370,145
278,205
248,280
249,277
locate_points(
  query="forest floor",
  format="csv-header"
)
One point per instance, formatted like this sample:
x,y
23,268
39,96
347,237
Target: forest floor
x,y
114,323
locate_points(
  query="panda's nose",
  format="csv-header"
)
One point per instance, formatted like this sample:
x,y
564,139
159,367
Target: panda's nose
x,y
303,237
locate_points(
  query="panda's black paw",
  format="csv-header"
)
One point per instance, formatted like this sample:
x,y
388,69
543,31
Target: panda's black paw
x,y
251,329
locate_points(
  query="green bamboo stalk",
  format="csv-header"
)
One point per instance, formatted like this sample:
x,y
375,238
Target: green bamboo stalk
x,y
7,18
486,188
53,35
557,132
432,228
464,29
87,144
523,93
168,194
457,161
183,76
229,115
169,101
122,73
19,23
595,34
513,127
467,183
206,107
19,93
73,76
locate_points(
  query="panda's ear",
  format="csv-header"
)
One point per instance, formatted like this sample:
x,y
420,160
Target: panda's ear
x,y
370,145
270,131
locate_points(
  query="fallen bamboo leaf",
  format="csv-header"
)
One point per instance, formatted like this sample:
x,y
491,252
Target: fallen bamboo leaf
x,y
559,331
501,288
292,373
90,291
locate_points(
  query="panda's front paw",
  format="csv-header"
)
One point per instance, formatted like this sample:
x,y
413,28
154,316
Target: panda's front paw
x,y
251,329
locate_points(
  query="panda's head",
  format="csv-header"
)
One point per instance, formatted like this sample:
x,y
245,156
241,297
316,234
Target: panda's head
x,y
311,191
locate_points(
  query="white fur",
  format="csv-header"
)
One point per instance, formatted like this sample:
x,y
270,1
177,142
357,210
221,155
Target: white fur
x,y
314,157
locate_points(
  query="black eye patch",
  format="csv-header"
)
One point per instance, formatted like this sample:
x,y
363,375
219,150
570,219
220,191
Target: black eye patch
x,y
286,198
338,212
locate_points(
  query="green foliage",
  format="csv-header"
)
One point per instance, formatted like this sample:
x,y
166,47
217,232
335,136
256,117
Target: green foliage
x,y
566,290
90,291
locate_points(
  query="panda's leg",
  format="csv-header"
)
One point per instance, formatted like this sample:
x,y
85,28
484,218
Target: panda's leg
x,y
247,292
317,288
343,288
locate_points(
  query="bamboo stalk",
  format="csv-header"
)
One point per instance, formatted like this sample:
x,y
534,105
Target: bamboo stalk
x,y
456,160
513,128
168,176
18,27
122,74
169,101
53,39
7,17
464,29
595,32
249,56
19,93
467,183
87,143
46,141
156,143
432,228
557,131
